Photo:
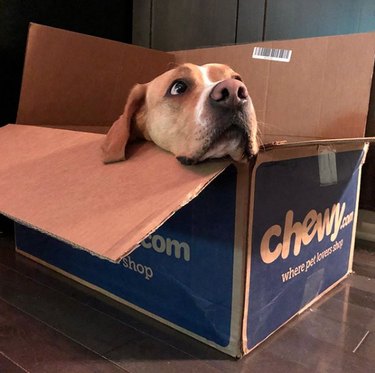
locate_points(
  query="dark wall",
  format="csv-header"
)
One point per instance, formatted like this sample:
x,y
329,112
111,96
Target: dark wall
x,y
289,19
109,19
183,24
172,25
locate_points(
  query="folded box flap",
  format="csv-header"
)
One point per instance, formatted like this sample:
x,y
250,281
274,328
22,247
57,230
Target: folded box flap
x,y
54,181
321,90
80,81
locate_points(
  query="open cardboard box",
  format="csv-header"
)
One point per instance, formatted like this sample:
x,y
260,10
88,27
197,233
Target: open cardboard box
x,y
223,252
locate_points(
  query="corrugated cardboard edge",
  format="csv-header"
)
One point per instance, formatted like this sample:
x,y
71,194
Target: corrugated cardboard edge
x,y
24,68
365,151
299,144
239,260
74,245
248,253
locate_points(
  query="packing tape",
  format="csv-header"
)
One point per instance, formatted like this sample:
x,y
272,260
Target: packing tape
x,y
327,165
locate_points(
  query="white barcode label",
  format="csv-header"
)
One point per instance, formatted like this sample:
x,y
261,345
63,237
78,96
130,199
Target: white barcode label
x,y
273,54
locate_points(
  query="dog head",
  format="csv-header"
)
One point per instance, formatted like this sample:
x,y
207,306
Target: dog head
x,y
195,112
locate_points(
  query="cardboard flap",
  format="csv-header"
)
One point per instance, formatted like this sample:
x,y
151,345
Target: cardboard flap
x,y
322,90
317,143
81,81
54,181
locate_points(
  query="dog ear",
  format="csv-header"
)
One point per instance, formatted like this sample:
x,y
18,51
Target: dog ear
x,y
113,147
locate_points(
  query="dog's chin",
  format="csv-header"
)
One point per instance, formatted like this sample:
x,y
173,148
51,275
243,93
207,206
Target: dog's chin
x,y
233,142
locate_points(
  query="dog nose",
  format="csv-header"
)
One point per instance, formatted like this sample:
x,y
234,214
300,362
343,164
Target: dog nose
x,y
229,93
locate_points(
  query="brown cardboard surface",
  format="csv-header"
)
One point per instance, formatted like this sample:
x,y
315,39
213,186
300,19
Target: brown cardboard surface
x,y
81,81
323,92
54,181
77,80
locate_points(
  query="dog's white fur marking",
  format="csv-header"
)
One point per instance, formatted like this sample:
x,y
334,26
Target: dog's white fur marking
x,y
204,71
208,85
225,147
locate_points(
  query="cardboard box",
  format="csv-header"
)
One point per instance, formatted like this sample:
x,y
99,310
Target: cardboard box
x,y
223,252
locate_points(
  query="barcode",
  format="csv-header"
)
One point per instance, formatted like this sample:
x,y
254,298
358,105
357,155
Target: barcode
x,y
273,54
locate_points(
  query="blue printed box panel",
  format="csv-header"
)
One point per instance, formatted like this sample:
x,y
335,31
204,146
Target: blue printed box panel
x,y
301,239
181,273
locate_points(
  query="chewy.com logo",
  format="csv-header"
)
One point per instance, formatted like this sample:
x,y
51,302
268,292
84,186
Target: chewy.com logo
x,y
315,224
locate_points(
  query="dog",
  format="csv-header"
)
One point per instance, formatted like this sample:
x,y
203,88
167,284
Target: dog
x,y
195,112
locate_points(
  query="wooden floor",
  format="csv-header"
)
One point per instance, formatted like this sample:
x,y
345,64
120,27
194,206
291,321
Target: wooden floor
x,y
51,324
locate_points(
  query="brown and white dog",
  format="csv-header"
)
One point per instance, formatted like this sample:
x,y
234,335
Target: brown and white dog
x,y
194,112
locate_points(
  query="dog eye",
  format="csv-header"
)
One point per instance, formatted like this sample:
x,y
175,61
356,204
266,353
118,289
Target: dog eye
x,y
178,88
237,77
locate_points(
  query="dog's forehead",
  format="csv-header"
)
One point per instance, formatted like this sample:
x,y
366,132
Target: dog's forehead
x,y
179,72
207,73
215,72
